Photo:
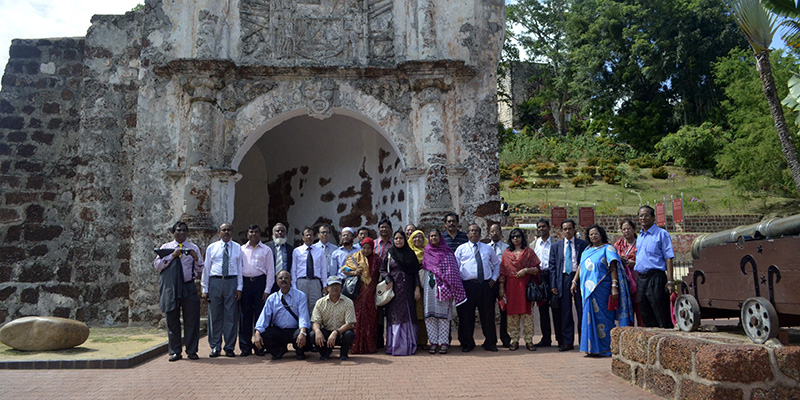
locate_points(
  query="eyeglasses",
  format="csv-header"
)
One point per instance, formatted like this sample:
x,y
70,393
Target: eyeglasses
x,y
516,236
324,233
225,230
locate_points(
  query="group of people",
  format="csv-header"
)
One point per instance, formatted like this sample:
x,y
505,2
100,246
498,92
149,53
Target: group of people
x,y
269,295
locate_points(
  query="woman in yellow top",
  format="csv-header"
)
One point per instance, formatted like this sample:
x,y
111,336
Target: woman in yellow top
x,y
366,264
417,242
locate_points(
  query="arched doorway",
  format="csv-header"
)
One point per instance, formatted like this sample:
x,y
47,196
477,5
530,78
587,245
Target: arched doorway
x,y
305,170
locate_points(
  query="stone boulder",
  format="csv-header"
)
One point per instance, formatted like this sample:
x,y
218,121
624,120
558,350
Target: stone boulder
x,y
43,333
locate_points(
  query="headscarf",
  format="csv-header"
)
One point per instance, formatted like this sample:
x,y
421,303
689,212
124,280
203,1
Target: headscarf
x,y
419,251
441,261
404,257
361,263
514,262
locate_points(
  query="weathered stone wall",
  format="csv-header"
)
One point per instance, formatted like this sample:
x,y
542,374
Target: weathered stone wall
x,y
108,140
681,365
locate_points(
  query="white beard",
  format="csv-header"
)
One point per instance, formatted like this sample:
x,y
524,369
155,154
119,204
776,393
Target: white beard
x,y
279,241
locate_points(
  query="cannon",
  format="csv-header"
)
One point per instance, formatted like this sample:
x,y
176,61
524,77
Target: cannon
x,y
751,271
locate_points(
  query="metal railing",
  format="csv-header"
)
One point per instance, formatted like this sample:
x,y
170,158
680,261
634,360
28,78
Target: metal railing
x,y
681,268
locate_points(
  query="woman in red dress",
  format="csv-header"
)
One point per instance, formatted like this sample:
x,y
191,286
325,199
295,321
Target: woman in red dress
x,y
366,264
518,267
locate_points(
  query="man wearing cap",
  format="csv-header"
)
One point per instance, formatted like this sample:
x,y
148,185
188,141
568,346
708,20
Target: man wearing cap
x,y
340,256
333,319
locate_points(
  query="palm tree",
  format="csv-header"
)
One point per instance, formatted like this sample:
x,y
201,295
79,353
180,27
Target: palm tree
x,y
759,26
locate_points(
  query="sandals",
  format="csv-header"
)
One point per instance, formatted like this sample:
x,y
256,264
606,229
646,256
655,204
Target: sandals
x,y
433,349
513,346
530,346
443,349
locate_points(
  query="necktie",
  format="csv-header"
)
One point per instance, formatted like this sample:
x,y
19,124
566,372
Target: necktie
x,y
279,262
309,264
568,258
480,263
225,261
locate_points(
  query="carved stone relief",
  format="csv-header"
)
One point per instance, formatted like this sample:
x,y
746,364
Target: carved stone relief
x,y
318,96
315,32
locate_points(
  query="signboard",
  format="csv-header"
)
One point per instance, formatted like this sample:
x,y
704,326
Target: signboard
x,y
661,215
586,216
677,211
558,215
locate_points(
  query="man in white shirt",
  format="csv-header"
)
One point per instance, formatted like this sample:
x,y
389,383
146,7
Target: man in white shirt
x,y
542,249
309,269
257,266
496,234
480,268
324,236
222,287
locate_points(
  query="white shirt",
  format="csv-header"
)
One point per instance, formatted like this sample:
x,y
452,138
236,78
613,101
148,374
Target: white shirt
x,y
575,258
328,249
499,248
468,266
542,250
299,257
213,263
256,261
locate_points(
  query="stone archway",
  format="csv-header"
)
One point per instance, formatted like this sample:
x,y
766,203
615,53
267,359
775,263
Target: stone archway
x,y
305,170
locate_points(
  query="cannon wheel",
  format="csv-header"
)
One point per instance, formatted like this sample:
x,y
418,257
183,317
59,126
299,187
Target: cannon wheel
x,y
759,319
687,313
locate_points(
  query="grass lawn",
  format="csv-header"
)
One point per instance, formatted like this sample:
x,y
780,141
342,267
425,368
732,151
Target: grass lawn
x,y
712,195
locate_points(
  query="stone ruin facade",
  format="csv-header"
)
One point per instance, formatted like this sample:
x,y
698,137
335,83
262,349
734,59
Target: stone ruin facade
x,y
250,111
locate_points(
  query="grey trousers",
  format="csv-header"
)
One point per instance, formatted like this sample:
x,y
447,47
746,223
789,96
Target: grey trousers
x,y
313,290
190,306
223,313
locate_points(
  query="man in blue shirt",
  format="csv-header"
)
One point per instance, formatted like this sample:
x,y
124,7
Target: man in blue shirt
x,y
654,264
340,256
453,237
284,320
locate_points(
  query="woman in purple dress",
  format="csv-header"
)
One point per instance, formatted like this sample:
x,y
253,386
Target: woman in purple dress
x,y
401,272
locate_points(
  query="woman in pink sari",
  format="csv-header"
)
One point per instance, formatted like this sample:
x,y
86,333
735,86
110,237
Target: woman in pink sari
x,y
626,249
442,286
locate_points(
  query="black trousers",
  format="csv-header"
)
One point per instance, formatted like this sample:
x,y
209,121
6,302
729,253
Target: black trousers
x,y
504,338
544,318
344,341
250,307
566,301
482,297
380,327
275,340
190,306
654,299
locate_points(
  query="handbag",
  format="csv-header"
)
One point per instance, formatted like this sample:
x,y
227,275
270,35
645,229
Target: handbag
x,y
351,285
383,295
537,292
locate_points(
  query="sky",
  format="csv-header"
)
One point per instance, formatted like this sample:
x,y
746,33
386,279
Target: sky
x,y
26,19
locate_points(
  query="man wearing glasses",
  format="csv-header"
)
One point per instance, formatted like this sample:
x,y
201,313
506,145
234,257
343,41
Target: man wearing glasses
x,y
324,236
222,286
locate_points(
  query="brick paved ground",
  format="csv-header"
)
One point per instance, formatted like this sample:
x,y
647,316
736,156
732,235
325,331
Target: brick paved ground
x,y
478,374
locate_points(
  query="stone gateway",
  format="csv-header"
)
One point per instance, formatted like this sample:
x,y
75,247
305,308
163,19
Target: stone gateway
x,y
250,111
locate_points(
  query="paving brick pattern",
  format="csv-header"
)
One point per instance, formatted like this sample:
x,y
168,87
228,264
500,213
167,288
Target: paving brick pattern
x,y
544,374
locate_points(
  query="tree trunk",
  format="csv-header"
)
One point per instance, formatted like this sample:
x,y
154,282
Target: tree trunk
x,y
784,136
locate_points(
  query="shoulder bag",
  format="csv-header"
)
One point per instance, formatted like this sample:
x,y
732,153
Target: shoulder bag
x,y
351,283
383,295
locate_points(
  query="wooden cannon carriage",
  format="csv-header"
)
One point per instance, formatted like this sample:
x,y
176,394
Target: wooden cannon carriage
x,y
752,272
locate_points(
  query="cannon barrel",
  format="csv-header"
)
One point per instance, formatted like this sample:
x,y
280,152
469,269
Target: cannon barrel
x,y
771,228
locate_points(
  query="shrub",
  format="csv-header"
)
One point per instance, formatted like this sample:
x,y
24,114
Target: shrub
x,y
645,161
542,169
546,183
588,170
554,169
692,147
572,163
517,170
592,161
582,180
505,172
569,171
610,174
518,183
660,173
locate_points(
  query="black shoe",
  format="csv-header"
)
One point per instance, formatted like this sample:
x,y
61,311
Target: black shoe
x,y
324,356
230,353
543,344
279,354
344,357
300,356
214,353
245,353
507,345
566,348
193,356
175,357
260,353
490,348
467,349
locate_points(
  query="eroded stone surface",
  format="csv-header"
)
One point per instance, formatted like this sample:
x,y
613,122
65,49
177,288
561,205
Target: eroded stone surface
x,y
660,384
676,353
43,333
788,358
691,390
731,363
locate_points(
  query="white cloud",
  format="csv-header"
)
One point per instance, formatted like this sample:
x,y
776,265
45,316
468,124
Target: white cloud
x,y
51,18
